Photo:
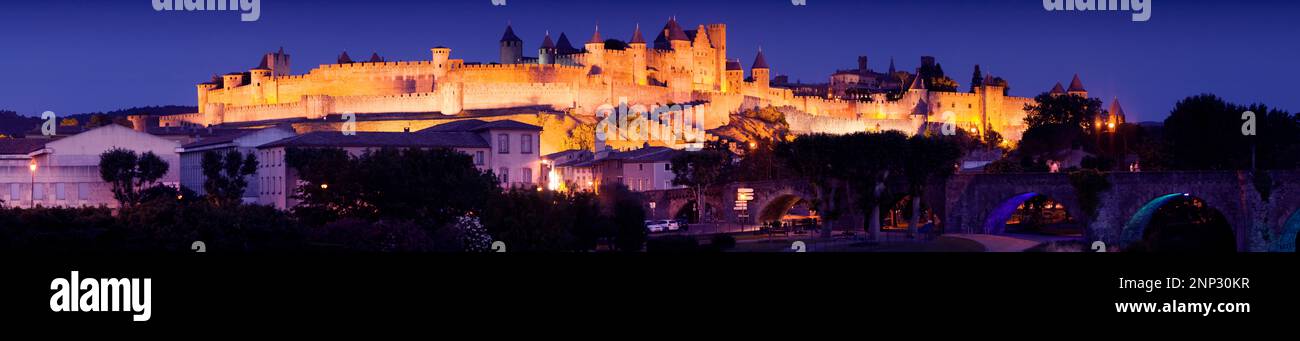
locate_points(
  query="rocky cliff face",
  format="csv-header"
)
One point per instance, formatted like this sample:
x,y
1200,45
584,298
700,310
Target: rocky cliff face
x,y
757,124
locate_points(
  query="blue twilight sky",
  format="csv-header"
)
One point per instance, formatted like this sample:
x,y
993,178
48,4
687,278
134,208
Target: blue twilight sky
x,y
74,56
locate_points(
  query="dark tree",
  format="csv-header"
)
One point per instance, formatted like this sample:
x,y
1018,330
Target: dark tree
x,y
1071,110
816,158
227,176
872,159
1205,132
130,173
431,187
624,218
928,160
699,170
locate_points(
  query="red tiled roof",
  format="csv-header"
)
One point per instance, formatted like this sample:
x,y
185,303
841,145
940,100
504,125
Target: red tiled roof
x,y
21,146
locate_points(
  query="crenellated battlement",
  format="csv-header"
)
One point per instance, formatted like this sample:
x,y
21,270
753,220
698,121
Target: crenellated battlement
x,y
363,65
519,67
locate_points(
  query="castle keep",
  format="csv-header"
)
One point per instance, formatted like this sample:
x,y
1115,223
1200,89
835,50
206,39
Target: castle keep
x,y
677,66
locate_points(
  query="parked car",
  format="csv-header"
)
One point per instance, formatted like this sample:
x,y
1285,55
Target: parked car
x,y
654,226
670,225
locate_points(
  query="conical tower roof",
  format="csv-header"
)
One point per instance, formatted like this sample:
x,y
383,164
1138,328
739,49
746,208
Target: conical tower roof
x,y
675,31
595,37
917,82
1058,89
547,43
563,44
344,58
510,36
760,61
1117,112
637,38
1076,85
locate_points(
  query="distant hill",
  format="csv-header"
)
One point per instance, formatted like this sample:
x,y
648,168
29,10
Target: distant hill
x,y
158,110
12,124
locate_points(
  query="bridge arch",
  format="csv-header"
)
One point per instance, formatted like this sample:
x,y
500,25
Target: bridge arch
x,y
997,219
1287,240
685,209
1137,230
779,204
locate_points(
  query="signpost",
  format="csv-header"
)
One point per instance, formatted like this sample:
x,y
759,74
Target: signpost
x,y
743,197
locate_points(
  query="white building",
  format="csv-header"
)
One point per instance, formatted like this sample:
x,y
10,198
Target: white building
x,y
245,141
572,168
66,171
644,169
509,149
649,169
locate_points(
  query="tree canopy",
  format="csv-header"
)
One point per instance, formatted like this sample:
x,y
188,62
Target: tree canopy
x,y
130,173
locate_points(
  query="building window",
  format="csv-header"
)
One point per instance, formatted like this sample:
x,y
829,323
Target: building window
x,y
640,167
15,192
38,193
60,192
668,166
83,191
503,144
527,175
526,144
478,158
505,175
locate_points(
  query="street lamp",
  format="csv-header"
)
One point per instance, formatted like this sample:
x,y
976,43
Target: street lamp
x,y
324,186
32,167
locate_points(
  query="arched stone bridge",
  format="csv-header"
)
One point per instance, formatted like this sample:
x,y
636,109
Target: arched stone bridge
x,y
977,203
980,203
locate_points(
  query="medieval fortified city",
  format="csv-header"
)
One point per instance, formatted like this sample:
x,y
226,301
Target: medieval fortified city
x,y
667,139
620,168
